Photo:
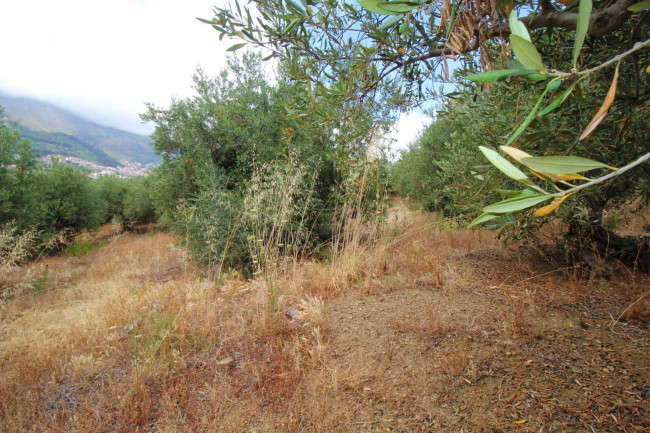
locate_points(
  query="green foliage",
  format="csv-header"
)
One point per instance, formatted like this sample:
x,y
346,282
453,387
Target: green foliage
x,y
444,170
45,205
63,200
138,203
235,122
16,165
365,50
240,138
212,227
558,170
110,190
127,200
81,247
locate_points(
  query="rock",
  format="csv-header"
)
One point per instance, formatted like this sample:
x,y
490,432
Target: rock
x,y
226,361
293,313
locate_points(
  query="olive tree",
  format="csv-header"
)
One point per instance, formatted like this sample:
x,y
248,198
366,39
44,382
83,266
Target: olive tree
x,y
348,53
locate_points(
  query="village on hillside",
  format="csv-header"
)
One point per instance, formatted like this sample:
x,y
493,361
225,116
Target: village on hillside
x,y
125,169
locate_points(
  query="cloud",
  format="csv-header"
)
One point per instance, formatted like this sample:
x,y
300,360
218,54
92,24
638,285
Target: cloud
x,y
106,59
408,127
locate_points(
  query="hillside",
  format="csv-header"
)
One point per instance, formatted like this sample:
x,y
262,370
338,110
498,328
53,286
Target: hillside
x,y
427,329
54,130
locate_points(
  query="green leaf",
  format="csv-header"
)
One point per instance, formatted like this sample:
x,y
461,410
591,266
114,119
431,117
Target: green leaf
x,y
291,26
640,6
452,20
516,204
399,6
512,193
482,218
490,76
502,74
205,21
558,101
508,192
372,6
514,64
527,120
391,22
584,13
293,6
535,77
236,47
517,27
562,164
506,167
526,53
553,85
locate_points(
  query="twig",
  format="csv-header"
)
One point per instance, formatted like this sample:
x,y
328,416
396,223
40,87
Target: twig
x,y
618,172
627,309
635,48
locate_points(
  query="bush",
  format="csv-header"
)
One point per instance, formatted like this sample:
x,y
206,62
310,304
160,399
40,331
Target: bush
x,y
64,200
138,204
444,169
212,228
253,229
126,200
110,190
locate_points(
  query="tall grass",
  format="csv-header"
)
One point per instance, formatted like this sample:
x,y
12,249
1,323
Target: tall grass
x,y
361,209
276,210
16,247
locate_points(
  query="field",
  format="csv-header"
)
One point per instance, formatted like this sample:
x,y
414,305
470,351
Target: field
x,y
428,327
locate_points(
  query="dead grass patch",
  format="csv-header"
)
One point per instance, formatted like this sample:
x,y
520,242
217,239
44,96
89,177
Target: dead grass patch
x,y
426,329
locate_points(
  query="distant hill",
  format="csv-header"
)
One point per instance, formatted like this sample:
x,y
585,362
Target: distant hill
x,y
53,130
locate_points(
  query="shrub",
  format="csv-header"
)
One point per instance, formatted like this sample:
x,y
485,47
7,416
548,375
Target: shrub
x,y
138,205
81,247
211,226
64,200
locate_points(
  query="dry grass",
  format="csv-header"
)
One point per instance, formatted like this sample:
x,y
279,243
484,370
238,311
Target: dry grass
x,y
425,328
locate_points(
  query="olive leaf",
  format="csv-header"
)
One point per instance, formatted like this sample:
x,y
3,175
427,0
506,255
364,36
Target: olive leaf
x,y
562,164
584,14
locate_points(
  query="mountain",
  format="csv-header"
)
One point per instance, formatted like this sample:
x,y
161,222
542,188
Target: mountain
x,y
53,130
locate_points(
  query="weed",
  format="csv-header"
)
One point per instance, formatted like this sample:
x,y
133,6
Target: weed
x,y
41,281
613,220
81,248
312,311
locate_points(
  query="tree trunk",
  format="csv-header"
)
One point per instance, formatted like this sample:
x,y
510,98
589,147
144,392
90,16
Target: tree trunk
x,y
597,247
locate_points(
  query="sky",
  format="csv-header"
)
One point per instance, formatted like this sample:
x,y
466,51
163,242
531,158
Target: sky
x,y
105,60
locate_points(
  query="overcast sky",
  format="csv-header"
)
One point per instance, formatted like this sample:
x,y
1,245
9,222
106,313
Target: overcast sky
x,y
106,59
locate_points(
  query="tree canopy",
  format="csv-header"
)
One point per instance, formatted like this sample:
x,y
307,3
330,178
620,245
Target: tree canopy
x,y
592,54
355,48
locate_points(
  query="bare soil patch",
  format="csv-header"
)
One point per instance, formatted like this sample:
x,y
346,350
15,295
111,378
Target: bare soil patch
x,y
488,354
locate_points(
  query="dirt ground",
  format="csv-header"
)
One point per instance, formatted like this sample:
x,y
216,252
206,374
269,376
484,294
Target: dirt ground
x,y
490,354
436,329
